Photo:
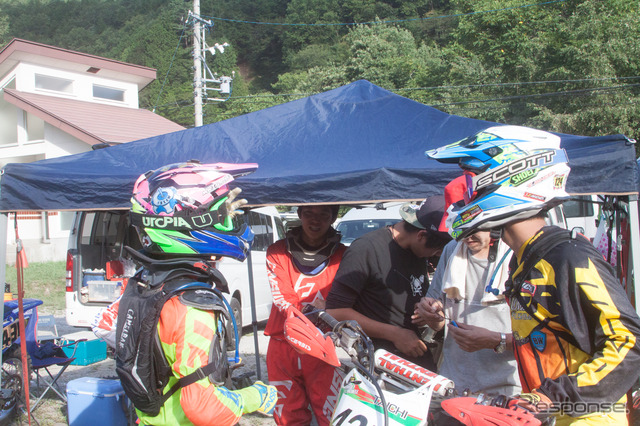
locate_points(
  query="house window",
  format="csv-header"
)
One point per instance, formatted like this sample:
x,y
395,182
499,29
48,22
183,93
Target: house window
x,y
108,93
56,84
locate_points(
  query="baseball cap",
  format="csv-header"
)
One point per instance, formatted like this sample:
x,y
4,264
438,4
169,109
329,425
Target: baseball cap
x,y
426,215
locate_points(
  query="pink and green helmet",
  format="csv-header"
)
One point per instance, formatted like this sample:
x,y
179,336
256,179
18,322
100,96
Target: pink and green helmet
x,y
180,210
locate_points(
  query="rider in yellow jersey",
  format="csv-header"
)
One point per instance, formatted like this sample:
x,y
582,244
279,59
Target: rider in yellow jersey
x,y
574,329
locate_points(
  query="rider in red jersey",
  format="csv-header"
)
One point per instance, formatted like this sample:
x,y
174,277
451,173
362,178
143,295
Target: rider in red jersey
x,y
301,268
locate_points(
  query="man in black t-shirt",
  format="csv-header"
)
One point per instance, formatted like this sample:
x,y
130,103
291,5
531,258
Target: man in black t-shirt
x,y
383,274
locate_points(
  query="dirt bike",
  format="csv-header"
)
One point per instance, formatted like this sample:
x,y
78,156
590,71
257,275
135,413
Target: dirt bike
x,y
381,388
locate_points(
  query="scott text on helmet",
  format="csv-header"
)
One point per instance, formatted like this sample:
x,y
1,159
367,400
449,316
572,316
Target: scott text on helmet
x,y
515,167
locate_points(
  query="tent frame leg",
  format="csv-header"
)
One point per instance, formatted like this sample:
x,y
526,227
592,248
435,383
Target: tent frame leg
x,y
4,221
633,272
254,323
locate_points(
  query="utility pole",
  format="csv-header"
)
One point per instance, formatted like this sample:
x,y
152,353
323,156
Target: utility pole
x,y
202,75
197,64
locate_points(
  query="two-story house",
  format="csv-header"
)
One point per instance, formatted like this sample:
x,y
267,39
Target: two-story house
x,y
57,102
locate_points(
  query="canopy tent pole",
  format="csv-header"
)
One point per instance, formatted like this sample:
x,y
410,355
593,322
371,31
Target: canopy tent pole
x,y
633,273
252,298
4,221
3,262
254,322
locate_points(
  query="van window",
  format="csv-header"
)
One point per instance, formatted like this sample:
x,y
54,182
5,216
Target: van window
x,y
577,208
280,228
352,229
106,228
261,226
87,226
99,239
100,228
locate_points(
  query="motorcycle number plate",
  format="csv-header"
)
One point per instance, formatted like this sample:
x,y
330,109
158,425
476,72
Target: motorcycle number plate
x,y
359,403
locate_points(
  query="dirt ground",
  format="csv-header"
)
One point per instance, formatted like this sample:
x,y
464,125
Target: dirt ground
x,y
52,411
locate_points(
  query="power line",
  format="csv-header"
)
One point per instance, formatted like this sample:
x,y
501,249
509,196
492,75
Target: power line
x,y
393,21
170,65
541,95
519,83
463,86
485,107
596,90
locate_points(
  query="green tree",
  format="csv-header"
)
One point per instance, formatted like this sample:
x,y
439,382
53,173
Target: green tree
x,y
382,54
259,47
4,27
161,41
581,49
309,17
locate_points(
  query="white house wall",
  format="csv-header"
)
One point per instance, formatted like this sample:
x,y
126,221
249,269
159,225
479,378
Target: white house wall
x,y
8,128
65,144
44,234
82,85
31,232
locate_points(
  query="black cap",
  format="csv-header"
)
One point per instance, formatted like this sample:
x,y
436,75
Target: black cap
x,y
426,215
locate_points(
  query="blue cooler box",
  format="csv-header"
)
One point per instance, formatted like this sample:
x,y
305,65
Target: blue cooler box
x,y
95,402
88,352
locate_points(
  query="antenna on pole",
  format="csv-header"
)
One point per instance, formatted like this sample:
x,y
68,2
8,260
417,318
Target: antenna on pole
x,y
202,75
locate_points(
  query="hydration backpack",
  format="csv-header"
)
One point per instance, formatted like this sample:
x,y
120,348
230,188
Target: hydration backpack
x,y
140,361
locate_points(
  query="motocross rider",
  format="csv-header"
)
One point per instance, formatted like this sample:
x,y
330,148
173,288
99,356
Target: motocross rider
x,y
184,212
575,333
301,268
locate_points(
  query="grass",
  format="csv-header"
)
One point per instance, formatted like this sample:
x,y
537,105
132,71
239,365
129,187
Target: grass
x,y
44,281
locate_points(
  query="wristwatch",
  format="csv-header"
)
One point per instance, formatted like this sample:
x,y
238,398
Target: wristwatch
x,y
502,346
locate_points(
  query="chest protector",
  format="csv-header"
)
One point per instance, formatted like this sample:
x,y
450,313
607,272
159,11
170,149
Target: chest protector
x,y
140,361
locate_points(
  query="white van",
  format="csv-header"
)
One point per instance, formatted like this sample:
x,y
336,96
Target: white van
x,y
583,211
358,221
97,264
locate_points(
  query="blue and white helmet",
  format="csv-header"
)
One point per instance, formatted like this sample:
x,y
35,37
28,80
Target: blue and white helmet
x,y
513,173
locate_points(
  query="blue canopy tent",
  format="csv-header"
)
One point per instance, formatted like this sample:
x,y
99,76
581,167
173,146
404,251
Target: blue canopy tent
x,y
355,144
358,143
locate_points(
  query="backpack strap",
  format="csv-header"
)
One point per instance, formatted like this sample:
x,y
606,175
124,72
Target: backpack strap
x,y
209,299
199,374
535,254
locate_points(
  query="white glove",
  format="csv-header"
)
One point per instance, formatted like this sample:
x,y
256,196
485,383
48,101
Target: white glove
x,y
233,205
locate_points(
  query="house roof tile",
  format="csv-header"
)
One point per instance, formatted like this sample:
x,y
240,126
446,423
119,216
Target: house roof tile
x,y
93,122
18,50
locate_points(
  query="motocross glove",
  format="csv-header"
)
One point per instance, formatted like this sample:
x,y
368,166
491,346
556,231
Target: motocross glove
x,y
533,401
269,397
233,206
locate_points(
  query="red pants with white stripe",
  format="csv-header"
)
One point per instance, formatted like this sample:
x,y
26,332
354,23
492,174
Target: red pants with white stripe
x,y
304,384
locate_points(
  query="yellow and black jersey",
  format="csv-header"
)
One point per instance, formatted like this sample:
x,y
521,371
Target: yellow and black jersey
x,y
575,332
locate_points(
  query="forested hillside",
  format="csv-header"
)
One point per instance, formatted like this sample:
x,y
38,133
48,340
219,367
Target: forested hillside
x,y
564,65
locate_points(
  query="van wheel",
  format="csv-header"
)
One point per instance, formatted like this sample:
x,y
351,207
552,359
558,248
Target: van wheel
x,y
236,311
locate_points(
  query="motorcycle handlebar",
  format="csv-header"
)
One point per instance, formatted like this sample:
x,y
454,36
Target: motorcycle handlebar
x,y
328,319
346,334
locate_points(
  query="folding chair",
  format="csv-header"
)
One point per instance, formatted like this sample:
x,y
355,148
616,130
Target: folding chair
x,y
46,328
43,357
